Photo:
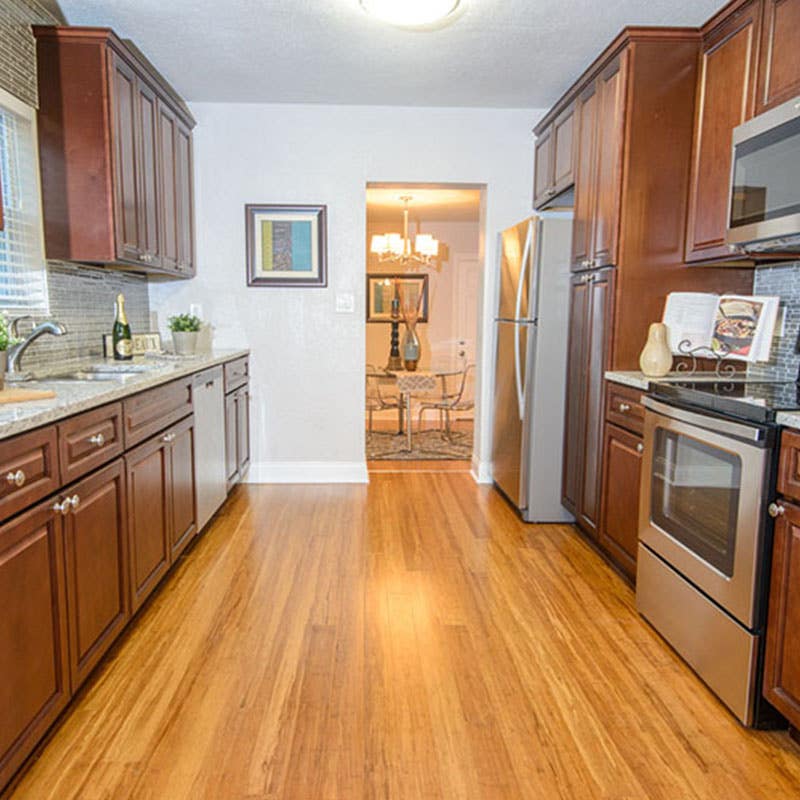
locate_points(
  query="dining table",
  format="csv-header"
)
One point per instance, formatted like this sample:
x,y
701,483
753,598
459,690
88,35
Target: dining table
x,y
418,382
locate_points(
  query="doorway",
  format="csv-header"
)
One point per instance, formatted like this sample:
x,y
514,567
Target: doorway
x,y
423,279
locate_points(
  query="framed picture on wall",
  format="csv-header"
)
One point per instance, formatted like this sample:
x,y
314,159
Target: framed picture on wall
x,y
286,245
381,290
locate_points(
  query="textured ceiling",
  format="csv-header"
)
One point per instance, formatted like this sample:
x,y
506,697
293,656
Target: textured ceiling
x,y
512,53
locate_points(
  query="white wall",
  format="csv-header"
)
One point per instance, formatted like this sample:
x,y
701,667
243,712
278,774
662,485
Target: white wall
x,y
307,360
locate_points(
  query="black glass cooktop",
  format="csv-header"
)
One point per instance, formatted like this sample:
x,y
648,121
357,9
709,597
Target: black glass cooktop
x,y
756,401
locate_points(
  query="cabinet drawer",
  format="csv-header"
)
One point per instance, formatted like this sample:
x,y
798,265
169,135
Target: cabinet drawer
x,y
789,469
624,407
236,373
89,440
28,469
148,413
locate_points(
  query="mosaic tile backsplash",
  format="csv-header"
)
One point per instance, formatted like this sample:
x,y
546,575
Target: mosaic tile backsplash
x,y
783,281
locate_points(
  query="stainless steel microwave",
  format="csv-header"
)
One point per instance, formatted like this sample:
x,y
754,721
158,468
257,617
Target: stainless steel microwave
x,y
764,202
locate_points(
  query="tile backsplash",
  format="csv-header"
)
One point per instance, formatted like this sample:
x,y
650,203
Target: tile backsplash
x,y
784,281
82,299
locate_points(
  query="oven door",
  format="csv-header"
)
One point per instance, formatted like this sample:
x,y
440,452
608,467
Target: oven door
x,y
701,502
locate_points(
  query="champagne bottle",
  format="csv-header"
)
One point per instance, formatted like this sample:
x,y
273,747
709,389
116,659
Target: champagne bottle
x,y
122,340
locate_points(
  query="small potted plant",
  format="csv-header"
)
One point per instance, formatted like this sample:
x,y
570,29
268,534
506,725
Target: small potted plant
x,y
6,341
185,328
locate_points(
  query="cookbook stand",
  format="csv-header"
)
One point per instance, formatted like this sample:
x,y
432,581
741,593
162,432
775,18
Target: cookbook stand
x,y
722,368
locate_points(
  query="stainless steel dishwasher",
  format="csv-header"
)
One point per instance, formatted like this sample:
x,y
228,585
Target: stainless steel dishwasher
x,y
209,443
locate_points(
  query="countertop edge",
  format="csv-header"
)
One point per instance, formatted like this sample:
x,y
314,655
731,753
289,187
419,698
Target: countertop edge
x,y
789,419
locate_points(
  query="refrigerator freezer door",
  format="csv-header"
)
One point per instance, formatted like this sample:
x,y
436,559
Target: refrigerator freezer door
x,y
516,246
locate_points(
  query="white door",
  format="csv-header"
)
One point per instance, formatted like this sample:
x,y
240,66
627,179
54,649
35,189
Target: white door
x,y
466,293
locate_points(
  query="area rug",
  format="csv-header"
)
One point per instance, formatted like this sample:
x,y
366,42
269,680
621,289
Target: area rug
x,y
427,446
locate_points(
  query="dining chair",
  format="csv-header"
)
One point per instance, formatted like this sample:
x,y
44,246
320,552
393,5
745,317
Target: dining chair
x,y
376,399
449,402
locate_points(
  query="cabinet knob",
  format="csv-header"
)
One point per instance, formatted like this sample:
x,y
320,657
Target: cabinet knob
x,y
63,507
624,408
586,263
98,440
17,478
775,510
74,501
640,448
168,437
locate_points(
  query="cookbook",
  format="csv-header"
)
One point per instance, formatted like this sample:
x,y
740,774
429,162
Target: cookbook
x,y
735,326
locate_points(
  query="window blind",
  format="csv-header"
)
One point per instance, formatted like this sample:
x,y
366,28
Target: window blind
x,y
23,275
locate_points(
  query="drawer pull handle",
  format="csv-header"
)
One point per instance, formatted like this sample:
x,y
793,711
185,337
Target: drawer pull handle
x,y
62,508
17,478
640,448
98,440
168,437
776,510
624,408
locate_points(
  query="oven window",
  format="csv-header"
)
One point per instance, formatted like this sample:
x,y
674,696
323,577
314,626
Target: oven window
x,y
695,496
766,176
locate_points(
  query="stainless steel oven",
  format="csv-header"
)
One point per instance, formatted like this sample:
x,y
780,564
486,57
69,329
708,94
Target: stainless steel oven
x,y
703,543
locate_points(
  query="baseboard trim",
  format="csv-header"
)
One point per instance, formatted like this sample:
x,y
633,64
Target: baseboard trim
x,y
481,471
308,472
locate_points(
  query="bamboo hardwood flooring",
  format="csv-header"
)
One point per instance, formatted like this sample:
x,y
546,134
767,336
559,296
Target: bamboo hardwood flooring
x,y
407,639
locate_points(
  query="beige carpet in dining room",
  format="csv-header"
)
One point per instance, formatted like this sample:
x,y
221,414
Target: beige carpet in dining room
x,y
428,445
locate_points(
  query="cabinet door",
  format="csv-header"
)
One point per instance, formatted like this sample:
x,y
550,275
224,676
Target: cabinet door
x,y
231,441
185,194
243,429
583,215
782,660
779,67
148,135
619,529
95,533
126,162
168,188
608,177
598,339
148,517
34,680
183,525
725,99
564,150
574,421
543,167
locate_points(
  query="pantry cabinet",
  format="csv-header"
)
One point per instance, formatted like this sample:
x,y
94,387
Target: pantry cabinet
x,y
725,98
116,155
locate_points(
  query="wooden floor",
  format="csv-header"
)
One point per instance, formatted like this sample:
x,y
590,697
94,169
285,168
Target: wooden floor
x,y
406,639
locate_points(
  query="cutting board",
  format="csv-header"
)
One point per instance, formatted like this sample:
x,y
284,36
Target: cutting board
x,y
25,395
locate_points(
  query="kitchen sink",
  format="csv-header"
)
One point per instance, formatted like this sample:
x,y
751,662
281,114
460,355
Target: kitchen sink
x,y
89,376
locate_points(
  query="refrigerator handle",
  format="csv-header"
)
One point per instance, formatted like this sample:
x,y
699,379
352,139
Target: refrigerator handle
x,y
517,354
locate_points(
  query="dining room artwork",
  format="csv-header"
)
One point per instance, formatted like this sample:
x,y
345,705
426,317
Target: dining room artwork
x,y
286,245
411,289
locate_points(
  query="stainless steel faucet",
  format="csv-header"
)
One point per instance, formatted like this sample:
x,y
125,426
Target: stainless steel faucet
x,y
15,351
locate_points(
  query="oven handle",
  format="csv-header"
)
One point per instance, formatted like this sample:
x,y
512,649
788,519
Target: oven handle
x,y
722,426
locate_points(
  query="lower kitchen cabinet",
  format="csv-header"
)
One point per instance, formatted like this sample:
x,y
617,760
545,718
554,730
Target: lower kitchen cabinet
x,y
782,660
95,549
161,506
34,672
237,434
619,525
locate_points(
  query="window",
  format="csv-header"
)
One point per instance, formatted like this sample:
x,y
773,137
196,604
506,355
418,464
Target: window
x,y
23,274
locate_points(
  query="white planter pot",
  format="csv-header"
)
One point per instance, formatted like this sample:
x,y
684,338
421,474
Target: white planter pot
x,y
185,342
3,368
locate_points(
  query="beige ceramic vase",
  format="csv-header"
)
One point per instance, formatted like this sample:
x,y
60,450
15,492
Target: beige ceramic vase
x,y
655,360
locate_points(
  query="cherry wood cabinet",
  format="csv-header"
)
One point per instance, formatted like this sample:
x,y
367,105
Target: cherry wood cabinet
x,y
782,658
554,158
34,672
28,469
96,548
591,315
183,520
116,155
779,58
583,214
725,98
237,434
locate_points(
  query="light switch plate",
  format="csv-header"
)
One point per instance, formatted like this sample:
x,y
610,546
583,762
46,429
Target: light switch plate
x,y
345,303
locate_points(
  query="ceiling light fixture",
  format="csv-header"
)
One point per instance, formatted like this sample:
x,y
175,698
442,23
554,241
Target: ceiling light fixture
x,y
397,249
410,13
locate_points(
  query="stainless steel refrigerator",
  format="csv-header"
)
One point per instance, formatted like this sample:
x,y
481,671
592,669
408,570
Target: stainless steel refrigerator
x,y
531,332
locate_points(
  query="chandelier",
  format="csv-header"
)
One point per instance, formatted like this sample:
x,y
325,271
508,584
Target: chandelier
x,y
396,248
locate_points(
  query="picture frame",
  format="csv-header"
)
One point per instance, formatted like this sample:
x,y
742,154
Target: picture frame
x,y
380,291
286,245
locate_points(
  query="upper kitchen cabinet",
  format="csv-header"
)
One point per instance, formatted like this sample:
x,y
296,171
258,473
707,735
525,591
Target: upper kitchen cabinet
x,y
779,58
725,98
115,144
554,161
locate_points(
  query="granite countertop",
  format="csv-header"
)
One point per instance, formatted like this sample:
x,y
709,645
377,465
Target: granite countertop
x,y
638,380
791,419
73,397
